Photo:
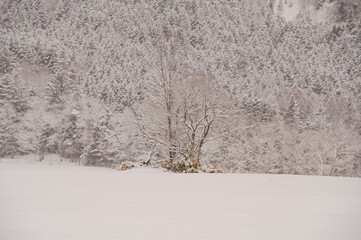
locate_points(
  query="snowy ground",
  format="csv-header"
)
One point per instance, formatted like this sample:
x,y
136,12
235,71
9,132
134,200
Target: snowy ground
x,y
52,201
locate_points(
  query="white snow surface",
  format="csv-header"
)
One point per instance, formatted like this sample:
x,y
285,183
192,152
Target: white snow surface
x,y
54,201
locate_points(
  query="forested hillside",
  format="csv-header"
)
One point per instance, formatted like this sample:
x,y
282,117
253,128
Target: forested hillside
x,y
187,84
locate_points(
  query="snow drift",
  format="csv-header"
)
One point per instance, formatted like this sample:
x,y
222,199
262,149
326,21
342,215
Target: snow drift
x,y
42,201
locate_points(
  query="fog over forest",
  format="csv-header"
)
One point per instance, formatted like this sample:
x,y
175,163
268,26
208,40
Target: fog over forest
x,y
249,86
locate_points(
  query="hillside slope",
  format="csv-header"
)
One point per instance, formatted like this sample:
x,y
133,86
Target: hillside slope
x,y
76,78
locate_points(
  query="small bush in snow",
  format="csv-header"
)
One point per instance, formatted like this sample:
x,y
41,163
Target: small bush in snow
x,y
213,168
126,166
179,166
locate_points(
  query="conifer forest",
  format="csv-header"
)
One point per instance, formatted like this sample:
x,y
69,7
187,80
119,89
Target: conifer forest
x,y
248,86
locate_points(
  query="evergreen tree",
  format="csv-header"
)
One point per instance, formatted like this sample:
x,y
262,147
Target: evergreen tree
x,y
42,132
12,92
39,13
8,129
291,113
73,145
102,147
59,88
92,152
280,8
62,9
60,137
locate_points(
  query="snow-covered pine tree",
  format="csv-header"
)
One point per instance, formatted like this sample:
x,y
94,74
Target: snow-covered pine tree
x,y
72,132
291,113
42,132
60,138
12,92
39,12
6,91
8,128
59,87
102,147
92,152
62,9
107,145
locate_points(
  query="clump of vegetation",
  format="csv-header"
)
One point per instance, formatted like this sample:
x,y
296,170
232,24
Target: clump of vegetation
x,y
212,168
126,166
179,166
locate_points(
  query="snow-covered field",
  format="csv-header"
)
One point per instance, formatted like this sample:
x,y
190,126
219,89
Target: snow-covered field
x,y
52,201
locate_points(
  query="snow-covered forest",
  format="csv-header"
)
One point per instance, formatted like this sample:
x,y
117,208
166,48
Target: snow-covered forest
x,y
190,85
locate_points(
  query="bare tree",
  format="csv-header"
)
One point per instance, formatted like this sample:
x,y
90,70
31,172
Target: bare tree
x,y
334,150
181,109
160,122
201,108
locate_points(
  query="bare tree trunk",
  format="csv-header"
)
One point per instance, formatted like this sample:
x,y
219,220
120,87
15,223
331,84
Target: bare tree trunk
x,y
199,152
61,150
170,138
334,162
72,150
321,162
149,158
191,153
39,148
